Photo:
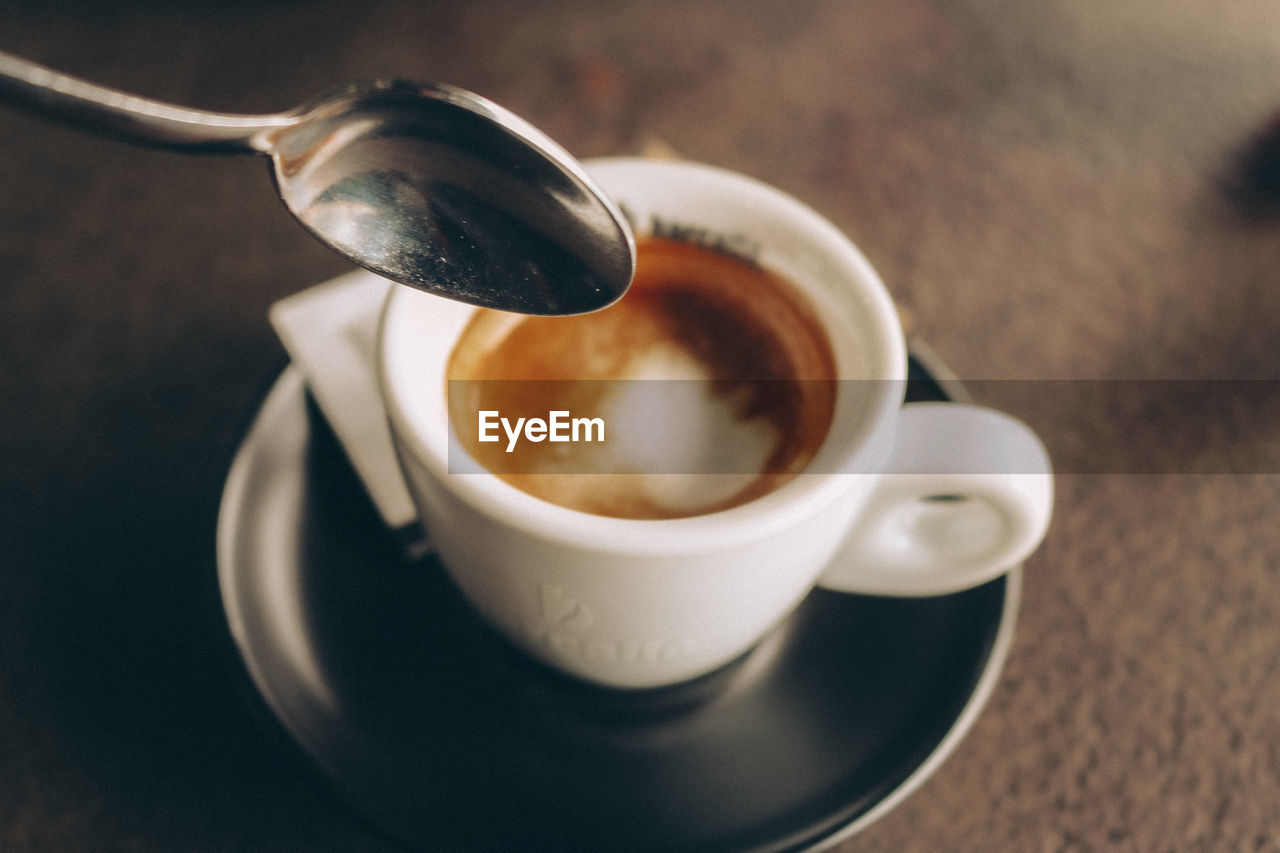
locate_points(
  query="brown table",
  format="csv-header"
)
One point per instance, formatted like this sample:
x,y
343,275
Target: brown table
x,y
1071,203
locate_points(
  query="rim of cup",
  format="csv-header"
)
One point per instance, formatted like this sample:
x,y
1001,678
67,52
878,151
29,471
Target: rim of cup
x,y
417,328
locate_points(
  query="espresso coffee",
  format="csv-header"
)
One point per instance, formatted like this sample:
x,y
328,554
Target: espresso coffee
x,y
710,384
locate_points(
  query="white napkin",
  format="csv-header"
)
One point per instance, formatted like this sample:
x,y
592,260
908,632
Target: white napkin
x,y
330,332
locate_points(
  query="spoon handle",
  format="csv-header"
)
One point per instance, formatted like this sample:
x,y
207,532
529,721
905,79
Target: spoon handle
x,y
88,106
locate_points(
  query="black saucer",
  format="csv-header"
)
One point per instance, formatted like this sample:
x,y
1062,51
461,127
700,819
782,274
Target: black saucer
x,y
450,740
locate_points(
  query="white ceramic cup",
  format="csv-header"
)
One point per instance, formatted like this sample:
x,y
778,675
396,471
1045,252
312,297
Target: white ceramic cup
x,y
908,500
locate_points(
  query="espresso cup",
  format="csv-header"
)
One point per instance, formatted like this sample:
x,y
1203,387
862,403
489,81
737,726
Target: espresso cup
x,y
888,499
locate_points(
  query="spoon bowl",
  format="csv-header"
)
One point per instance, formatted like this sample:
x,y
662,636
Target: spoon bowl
x,y
428,185
432,185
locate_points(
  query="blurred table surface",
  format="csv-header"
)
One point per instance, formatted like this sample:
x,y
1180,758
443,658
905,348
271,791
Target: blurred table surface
x,y
1065,198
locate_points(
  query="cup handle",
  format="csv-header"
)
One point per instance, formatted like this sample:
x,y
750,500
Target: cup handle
x,y
966,496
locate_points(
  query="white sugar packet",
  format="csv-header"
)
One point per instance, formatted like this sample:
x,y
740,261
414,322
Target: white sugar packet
x,y
330,332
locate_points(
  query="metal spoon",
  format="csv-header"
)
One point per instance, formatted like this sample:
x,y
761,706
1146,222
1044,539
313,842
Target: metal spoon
x,y
428,185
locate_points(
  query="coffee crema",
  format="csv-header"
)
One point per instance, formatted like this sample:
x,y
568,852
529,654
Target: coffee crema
x,y
712,380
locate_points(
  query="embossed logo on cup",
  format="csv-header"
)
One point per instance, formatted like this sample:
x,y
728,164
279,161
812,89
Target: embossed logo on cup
x,y
561,611
564,624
